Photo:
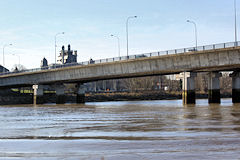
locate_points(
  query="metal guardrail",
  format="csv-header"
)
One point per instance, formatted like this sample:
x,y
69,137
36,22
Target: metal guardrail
x,y
122,58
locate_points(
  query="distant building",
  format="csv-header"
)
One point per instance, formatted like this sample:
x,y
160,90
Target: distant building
x,y
3,69
67,56
44,63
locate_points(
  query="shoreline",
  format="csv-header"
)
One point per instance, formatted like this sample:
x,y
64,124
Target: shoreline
x,y
138,96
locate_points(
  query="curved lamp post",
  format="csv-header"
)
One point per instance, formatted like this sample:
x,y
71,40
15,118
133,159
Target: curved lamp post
x,y
118,44
195,26
55,38
127,30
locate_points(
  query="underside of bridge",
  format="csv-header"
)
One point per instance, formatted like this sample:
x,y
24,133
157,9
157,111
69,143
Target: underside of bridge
x,y
40,96
58,91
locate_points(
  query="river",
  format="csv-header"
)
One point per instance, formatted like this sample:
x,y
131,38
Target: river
x,y
140,130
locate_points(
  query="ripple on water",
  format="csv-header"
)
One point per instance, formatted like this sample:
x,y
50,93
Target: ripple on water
x,y
121,130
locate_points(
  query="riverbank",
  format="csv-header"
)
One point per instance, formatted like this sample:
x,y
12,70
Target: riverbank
x,y
143,95
130,96
10,97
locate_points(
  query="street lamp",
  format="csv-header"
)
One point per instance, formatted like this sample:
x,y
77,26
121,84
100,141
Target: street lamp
x,y
56,45
3,55
118,44
127,30
195,26
235,12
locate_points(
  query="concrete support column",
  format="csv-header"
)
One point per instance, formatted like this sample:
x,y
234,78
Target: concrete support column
x,y
235,86
114,85
188,87
80,93
214,87
38,97
60,94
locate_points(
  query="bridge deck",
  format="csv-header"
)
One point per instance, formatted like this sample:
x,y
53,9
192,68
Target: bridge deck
x,y
227,58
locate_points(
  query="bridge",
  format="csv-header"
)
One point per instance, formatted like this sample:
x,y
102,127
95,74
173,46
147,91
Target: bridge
x,y
187,61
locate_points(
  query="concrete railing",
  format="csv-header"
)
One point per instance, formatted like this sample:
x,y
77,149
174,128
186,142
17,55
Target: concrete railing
x,y
152,54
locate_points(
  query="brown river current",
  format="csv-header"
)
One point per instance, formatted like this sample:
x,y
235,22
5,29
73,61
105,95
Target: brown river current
x,y
141,130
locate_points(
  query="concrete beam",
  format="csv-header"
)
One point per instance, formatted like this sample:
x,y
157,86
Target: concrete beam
x,y
60,93
80,93
38,95
214,87
235,86
188,89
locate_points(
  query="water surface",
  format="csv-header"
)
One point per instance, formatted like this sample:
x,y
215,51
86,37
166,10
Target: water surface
x,y
140,130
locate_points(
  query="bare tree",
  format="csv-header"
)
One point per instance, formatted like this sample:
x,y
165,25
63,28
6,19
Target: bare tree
x,y
226,83
18,67
202,82
144,83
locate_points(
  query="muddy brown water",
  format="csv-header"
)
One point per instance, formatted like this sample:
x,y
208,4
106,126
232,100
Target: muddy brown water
x,y
140,130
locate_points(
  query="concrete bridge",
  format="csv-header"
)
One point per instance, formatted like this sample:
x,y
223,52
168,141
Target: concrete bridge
x,y
211,58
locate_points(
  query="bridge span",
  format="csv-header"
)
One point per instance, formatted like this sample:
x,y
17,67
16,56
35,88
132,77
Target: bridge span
x,y
188,62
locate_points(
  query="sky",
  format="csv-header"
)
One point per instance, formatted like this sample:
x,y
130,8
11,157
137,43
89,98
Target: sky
x,y
31,25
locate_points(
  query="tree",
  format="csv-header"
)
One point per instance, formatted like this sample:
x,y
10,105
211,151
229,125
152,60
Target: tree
x,y
202,83
18,67
144,83
226,83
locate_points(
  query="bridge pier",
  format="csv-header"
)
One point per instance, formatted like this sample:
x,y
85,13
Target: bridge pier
x,y
188,87
235,87
214,87
80,94
38,97
60,94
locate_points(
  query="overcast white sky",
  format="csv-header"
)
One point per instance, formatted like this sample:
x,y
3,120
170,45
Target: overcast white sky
x,y
30,25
